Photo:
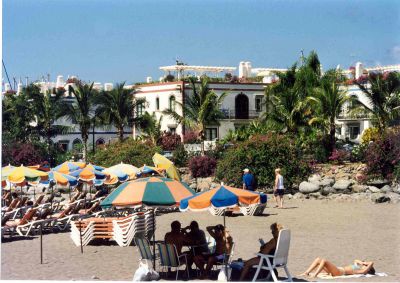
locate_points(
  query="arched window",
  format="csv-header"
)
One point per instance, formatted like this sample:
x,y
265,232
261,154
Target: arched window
x,y
172,103
77,144
241,106
100,142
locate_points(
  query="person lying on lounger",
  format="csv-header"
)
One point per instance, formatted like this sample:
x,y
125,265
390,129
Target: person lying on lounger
x,y
321,264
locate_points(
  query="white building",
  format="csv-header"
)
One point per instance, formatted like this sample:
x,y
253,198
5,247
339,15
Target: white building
x,y
244,101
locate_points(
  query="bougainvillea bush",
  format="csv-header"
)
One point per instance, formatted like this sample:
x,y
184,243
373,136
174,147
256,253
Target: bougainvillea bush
x,y
383,155
339,156
23,154
262,154
202,166
169,141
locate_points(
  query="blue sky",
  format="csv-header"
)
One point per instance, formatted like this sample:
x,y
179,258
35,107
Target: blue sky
x,y
121,40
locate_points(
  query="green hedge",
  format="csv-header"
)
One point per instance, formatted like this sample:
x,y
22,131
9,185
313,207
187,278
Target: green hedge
x,y
262,154
129,151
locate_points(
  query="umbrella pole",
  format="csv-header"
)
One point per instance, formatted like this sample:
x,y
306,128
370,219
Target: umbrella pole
x,y
154,241
69,192
41,243
80,234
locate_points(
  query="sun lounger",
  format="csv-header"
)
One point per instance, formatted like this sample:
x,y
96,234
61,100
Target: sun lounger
x,y
26,223
216,211
128,228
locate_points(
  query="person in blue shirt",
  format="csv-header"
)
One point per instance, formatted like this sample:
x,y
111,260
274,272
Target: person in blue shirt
x,y
248,180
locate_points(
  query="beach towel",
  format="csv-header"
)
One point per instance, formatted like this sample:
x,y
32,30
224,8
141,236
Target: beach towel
x,y
328,276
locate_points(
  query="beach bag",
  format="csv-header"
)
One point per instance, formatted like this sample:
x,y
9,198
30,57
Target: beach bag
x,y
145,273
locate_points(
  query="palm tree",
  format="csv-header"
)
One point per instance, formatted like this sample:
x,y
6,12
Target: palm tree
x,y
117,107
47,109
287,101
81,110
329,97
200,110
150,127
383,95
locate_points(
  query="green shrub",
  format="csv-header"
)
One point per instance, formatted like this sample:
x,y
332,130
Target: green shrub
x,y
180,156
129,151
262,154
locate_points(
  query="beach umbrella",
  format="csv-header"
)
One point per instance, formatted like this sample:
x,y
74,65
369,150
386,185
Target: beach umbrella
x,y
62,179
150,192
149,170
164,163
222,197
68,167
124,168
89,173
16,175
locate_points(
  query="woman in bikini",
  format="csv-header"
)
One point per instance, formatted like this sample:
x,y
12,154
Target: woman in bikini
x,y
359,267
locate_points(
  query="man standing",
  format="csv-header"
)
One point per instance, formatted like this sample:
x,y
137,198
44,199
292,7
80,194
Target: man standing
x,y
248,180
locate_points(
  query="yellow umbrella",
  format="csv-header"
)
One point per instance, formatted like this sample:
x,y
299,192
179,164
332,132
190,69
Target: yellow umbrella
x,y
16,175
164,163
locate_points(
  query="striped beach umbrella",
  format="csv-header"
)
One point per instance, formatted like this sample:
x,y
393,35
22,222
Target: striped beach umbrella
x,y
145,169
222,197
150,191
62,179
68,167
16,175
123,168
164,163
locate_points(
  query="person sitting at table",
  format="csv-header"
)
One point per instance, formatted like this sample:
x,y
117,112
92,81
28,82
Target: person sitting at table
x,y
196,238
176,236
223,246
267,249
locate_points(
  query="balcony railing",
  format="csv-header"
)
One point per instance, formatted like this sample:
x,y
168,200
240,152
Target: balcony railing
x,y
231,114
355,116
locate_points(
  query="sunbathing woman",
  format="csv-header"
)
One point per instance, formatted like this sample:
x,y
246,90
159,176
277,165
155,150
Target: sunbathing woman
x,y
359,267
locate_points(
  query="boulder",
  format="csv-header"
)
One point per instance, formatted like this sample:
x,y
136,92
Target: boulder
x,y
396,188
316,195
298,196
187,178
289,196
378,183
327,182
307,187
360,196
327,190
315,179
379,198
342,185
359,188
394,198
373,189
203,184
386,189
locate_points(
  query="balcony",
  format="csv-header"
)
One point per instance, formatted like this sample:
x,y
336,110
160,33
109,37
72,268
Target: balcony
x,y
356,116
234,114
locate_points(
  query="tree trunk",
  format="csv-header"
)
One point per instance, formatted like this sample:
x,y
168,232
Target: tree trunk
x,y
121,133
332,141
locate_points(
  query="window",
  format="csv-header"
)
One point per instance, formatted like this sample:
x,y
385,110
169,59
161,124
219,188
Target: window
x,y
354,131
259,103
77,144
172,130
100,142
172,103
211,134
63,145
139,109
157,103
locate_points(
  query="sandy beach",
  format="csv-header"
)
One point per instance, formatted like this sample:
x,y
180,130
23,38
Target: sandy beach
x,y
338,231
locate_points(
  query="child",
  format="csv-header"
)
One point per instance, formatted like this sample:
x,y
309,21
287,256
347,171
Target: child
x,y
279,189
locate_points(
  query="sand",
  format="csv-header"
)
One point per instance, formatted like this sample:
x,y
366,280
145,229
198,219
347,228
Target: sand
x,y
340,232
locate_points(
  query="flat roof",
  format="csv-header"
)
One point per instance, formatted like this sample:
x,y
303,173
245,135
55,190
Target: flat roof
x,y
197,68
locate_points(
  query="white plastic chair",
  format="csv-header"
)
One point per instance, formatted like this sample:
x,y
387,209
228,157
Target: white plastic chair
x,y
278,260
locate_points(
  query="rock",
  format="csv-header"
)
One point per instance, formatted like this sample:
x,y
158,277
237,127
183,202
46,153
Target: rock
x,y
95,277
289,196
359,188
316,195
298,196
379,198
360,196
342,185
373,189
327,182
315,179
378,183
187,178
386,189
307,187
396,188
394,198
204,184
327,190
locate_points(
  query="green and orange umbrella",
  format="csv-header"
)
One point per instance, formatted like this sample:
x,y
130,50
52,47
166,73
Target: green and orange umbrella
x,y
150,191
